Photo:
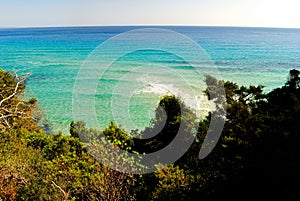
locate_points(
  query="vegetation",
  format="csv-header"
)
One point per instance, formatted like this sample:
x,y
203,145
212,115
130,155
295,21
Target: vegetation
x,y
257,155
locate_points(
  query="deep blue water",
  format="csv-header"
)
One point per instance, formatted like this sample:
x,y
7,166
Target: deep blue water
x,y
53,57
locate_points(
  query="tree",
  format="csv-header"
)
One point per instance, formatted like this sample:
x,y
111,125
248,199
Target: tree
x,y
15,113
293,79
171,116
259,148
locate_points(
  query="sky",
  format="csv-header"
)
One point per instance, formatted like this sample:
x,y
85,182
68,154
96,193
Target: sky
x,y
249,13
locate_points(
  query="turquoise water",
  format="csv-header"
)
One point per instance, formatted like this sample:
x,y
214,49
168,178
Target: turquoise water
x,y
53,57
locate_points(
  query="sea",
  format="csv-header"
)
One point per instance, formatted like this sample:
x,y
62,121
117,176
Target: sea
x,y
131,81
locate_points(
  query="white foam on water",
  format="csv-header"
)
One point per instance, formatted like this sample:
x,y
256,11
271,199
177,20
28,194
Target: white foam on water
x,y
198,103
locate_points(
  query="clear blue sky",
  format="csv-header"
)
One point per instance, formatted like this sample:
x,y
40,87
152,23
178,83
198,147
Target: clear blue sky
x,y
258,13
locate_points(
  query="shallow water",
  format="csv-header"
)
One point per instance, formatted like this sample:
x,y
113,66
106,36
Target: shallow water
x,y
53,57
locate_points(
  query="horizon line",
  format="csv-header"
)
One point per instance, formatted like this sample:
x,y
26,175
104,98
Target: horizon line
x,y
146,25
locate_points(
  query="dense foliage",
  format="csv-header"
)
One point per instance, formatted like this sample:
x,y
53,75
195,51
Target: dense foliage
x,y
256,157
